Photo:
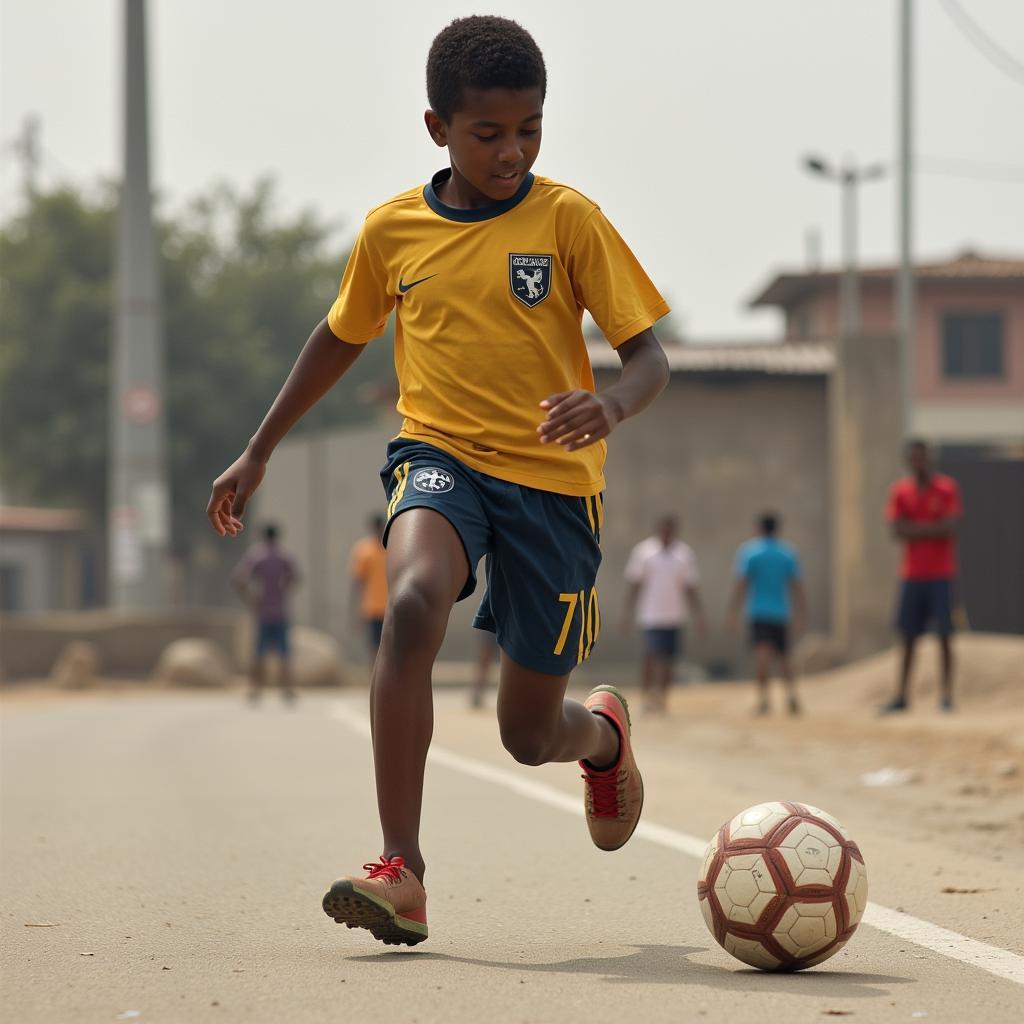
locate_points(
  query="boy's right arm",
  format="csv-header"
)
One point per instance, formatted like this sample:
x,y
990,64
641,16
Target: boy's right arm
x,y
321,364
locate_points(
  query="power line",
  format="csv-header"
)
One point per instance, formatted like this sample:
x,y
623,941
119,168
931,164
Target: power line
x,y
975,169
983,42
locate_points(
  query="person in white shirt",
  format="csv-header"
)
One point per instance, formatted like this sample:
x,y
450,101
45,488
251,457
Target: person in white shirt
x,y
663,593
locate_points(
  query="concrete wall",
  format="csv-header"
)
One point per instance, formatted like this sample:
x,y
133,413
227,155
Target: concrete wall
x,y
716,450
128,643
48,567
866,433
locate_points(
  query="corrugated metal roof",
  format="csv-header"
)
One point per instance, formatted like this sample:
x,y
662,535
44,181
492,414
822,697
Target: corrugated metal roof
x,y
773,357
786,288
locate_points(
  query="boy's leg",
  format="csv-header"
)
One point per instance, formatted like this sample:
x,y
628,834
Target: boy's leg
x,y
648,675
539,725
946,691
256,669
762,664
789,677
427,568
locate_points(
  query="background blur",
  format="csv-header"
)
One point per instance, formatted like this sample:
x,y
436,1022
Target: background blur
x,y
272,130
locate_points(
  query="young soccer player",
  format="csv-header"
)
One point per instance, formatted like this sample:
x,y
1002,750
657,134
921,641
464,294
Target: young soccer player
x,y
501,451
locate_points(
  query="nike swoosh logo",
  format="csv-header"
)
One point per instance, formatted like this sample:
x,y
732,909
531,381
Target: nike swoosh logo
x,y
403,287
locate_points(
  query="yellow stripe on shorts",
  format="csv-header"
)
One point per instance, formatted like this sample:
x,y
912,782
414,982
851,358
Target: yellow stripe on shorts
x,y
590,514
402,476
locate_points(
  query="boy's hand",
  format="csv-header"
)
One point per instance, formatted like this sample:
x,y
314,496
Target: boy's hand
x,y
576,419
231,491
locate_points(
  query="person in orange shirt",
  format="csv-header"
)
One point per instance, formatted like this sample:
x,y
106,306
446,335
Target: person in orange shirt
x,y
368,569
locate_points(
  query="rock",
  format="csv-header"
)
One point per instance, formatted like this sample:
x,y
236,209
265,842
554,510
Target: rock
x,y
316,658
192,661
77,665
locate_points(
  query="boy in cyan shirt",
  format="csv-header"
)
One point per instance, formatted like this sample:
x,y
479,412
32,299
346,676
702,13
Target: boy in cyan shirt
x,y
768,584
501,451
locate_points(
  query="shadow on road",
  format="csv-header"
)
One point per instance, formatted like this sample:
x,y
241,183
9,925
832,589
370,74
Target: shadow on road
x,y
669,965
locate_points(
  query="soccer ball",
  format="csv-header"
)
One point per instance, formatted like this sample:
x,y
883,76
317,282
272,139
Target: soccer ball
x,y
782,886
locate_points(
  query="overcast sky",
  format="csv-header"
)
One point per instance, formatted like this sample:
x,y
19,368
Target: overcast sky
x,y
685,120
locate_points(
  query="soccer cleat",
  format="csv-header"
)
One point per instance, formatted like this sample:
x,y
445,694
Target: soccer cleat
x,y
613,797
390,903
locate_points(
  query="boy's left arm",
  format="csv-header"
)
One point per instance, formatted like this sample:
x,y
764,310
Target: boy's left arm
x,y
579,418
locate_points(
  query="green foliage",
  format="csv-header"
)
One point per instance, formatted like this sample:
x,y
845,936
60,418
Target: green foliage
x,y
243,287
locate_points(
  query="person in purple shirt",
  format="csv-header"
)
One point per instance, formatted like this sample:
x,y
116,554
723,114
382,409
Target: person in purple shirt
x,y
264,577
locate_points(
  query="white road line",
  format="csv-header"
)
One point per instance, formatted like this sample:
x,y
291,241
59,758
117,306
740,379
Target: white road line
x,y
1000,962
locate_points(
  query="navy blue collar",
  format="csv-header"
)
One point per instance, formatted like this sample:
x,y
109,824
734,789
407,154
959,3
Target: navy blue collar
x,y
478,213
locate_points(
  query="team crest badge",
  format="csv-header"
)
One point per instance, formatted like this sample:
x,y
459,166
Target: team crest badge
x,y
530,277
433,480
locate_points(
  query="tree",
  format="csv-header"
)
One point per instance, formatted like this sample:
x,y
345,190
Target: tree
x,y
242,288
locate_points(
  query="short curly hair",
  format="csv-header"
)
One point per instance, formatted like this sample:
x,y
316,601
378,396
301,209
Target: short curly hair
x,y
481,52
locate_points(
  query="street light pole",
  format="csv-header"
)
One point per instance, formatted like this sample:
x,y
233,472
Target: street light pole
x,y
849,177
849,288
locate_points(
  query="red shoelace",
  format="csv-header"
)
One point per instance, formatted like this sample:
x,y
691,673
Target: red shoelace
x,y
389,868
604,794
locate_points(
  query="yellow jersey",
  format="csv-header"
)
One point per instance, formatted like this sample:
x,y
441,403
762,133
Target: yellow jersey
x,y
490,304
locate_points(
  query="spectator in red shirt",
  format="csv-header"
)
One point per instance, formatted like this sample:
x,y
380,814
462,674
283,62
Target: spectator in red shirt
x,y
924,509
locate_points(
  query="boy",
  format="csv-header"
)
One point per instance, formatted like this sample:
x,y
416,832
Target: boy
x,y
768,582
924,510
501,451
264,580
664,589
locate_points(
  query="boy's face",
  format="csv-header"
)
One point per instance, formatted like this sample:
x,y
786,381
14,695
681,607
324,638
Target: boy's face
x,y
493,138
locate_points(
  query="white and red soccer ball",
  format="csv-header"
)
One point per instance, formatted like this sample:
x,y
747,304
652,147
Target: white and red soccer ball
x,y
782,886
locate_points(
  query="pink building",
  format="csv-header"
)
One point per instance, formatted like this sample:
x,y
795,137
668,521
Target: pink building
x,y
969,365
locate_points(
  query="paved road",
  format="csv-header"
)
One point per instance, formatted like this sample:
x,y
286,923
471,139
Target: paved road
x,y
180,846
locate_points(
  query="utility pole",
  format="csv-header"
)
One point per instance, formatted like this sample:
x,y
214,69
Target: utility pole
x,y
849,287
905,171
138,498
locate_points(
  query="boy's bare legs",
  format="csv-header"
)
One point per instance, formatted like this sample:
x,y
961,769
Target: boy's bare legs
x,y
789,678
648,685
902,699
427,569
762,665
539,725
946,690
287,678
665,666
256,677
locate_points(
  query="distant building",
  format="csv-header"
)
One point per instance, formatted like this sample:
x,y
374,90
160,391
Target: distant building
x,y
40,559
969,364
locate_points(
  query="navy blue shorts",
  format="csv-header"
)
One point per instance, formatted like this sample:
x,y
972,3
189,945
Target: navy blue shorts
x,y
924,602
663,642
774,634
542,550
272,636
